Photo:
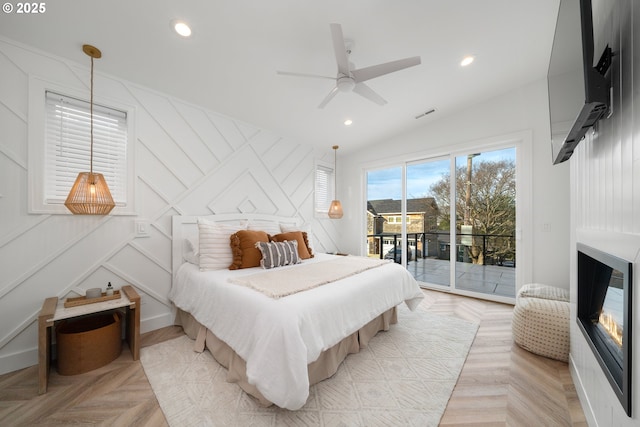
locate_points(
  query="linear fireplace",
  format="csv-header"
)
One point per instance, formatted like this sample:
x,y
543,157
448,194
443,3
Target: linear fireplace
x,y
604,315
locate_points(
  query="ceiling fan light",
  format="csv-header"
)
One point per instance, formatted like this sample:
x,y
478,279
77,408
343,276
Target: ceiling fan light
x,y
345,84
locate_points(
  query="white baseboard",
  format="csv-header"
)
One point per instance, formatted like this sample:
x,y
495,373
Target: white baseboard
x,y
16,361
157,322
582,395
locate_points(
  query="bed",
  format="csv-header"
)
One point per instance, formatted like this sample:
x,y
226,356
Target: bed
x,y
275,347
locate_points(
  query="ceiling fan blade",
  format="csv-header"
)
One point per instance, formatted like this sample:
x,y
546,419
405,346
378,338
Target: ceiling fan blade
x,y
367,73
364,90
339,49
315,76
329,97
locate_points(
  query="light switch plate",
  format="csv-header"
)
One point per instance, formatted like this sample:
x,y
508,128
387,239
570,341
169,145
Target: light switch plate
x,y
142,228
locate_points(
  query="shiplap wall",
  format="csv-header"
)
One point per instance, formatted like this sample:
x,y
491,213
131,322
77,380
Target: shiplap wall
x,y
605,192
189,161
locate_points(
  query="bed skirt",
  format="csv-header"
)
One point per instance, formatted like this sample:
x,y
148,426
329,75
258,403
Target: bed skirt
x,y
324,367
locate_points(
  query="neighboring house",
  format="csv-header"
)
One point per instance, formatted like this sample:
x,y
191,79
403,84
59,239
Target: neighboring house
x,y
384,219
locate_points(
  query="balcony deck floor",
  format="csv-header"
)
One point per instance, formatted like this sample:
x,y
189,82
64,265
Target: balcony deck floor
x,y
486,279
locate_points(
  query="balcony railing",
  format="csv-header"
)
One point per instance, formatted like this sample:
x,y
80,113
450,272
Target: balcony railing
x,y
484,249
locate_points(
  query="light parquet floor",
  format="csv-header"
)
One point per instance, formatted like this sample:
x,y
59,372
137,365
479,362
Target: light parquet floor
x,y
500,384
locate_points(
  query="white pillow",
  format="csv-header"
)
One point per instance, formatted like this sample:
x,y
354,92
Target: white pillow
x,y
215,248
190,252
270,227
305,227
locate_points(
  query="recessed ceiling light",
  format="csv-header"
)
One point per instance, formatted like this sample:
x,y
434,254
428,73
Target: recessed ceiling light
x,y
348,122
467,60
182,28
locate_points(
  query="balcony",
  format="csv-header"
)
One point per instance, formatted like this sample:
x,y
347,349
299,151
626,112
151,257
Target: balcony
x,y
484,263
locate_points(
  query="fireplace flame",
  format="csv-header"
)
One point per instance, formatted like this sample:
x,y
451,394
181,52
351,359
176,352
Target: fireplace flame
x,y
611,326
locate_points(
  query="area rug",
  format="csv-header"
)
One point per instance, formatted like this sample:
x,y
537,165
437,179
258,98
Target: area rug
x,y
404,377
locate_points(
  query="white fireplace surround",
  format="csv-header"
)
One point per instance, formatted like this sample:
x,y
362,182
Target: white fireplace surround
x,y
600,404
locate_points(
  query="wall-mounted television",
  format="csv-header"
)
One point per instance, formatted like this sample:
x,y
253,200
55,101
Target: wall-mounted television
x,y
578,90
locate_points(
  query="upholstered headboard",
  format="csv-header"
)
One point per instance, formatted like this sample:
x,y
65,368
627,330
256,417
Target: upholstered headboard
x,y
186,227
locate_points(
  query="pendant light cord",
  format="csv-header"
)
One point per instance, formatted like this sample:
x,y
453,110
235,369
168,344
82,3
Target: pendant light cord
x,y
91,120
335,167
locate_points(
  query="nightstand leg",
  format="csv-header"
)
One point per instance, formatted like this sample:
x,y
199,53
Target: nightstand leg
x,y
133,321
44,342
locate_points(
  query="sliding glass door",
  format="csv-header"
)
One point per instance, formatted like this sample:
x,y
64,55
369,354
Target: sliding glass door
x,y
384,217
450,220
486,222
428,220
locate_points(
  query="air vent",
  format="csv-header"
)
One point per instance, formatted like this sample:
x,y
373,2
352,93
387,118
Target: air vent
x,y
419,116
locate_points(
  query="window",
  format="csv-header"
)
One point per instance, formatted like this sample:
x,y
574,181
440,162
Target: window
x,y
59,147
324,188
67,145
397,219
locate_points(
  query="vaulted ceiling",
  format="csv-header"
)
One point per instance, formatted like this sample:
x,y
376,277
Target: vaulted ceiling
x,y
229,63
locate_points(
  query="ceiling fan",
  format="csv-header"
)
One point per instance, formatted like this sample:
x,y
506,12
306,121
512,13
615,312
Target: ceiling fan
x,y
349,79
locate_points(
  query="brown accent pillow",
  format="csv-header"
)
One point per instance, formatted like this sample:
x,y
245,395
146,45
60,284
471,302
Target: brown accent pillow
x,y
243,248
304,251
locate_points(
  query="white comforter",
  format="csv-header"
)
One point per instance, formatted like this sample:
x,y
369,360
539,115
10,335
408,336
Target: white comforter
x,y
278,338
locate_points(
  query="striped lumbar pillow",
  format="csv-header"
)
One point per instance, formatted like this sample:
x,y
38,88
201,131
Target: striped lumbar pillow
x,y
215,251
277,254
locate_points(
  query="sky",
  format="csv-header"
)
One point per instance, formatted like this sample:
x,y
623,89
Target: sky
x,y
387,183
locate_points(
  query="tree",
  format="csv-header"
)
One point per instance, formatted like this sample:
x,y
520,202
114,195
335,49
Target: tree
x,y
490,205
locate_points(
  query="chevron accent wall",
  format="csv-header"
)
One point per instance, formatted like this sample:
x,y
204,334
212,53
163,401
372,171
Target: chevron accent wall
x,y
189,161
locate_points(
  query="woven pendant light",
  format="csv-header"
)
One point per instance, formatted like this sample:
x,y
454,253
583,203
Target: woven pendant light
x,y
335,209
90,193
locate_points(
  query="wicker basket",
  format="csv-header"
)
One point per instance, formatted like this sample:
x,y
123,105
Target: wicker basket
x,y
88,343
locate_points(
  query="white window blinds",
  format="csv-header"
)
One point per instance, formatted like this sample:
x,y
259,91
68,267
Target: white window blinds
x,y
323,188
68,145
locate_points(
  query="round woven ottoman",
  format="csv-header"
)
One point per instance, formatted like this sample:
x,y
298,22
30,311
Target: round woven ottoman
x,y
541,321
